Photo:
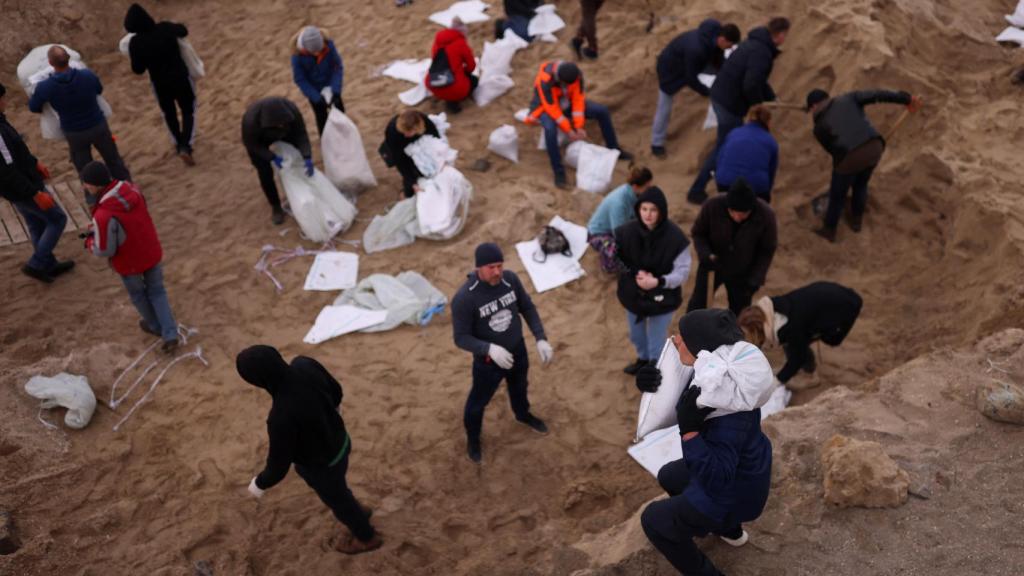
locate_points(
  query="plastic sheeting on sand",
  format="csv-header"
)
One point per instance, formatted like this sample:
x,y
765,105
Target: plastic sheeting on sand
x,y
557,269
410,70
408,298
67,391
319,208
334,321
469,11
333,271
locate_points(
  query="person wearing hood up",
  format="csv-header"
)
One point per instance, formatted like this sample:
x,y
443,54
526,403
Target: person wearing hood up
x,y
656,257
319,72
306,429
486,323
155,49
686,56
123,231
518,14
741,83
823,311
735,236
450,77
266,121
724,476
72,93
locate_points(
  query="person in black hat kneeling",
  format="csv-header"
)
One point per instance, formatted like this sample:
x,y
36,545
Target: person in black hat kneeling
x,y
485,322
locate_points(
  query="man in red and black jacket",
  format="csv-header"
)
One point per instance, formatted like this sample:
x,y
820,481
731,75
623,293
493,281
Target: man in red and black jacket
x,y
21,182
122,231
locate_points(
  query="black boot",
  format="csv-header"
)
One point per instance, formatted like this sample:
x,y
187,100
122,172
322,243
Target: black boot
x,y
473,450
827,232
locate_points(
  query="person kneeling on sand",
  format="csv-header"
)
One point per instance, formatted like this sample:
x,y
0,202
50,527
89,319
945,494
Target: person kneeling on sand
x,y
844,131
485,321
724,476
306,429
402,130
123,231
617,208
450,78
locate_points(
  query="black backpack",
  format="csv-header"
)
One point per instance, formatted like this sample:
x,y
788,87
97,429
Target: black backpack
x,y
440,74
552,241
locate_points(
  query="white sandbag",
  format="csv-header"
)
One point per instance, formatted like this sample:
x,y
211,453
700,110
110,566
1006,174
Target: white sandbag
x,y
504,141
543,145
68,391
320,209
345,162
440,121
410,70
33,69
196,68
522,114
658,409
431,154
496,59
1011,34
332,271
557,269
407,298
490,87
441,204
545,21
595,168
1017,18
778,400
334,321
414,95
394,229
469,11
657,449
733,378
125,43
571,157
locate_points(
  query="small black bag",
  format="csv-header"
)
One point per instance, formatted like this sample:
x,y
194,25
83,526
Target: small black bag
x,y
440,74
385,154
552,241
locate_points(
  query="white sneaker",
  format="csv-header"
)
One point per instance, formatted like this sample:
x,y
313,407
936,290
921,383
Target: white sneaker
x,y
738,541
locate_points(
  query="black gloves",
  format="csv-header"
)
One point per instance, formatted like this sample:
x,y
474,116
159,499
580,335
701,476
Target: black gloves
x,y
648,378
337,102
691,418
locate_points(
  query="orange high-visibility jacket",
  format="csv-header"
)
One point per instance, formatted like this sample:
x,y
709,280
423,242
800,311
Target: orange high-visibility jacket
x,y
548,92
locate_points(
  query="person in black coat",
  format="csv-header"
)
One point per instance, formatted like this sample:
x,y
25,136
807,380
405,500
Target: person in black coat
x,y
22,184
822,311
155,48
306,428
266,121
844,131
656,257
402,130
735,237
518,14
741,83
686,56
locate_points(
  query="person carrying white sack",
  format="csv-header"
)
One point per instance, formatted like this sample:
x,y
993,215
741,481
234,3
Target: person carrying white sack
x,y
724,476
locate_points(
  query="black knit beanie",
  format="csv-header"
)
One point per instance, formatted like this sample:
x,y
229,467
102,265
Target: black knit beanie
x,y
709,329
568,72
741,196
488,253
815,96
96,174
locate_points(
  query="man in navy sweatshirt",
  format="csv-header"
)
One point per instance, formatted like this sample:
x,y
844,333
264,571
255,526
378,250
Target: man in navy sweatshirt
x,y
72,92
485,322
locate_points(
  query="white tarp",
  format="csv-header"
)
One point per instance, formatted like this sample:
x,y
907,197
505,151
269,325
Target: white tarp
x,y
334,321
545,23
394,229
333,271
410,70
345,162
408,298
1011,34
319,208
469,11
1017,18
33,69
557,269
595,167
68,391
504,141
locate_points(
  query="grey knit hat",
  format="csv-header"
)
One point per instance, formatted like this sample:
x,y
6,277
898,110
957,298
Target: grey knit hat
x,y
311,40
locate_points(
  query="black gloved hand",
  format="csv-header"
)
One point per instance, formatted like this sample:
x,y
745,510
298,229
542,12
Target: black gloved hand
x,y
337,102
648,378
690,417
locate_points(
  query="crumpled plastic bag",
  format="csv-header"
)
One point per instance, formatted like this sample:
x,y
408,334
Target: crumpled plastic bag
x,y
733,378
431,154
442,204
345,162
396,228
68,391
504,141
545,23
408,298
320,209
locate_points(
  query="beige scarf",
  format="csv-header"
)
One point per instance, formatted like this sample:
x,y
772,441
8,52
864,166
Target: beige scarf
x,y
773,321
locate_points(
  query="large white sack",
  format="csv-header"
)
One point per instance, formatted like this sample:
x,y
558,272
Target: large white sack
x,y
394,229
1017,18
406,298
496,59
545,22
441,204
33,69
490,87
431,154
595,168
334,321
1011,34
68,391
469,11
442,124
345,162
504,141
320,209
658,409
196,68
733,378
571,157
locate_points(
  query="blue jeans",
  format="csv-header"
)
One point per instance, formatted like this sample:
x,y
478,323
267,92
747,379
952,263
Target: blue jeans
x,y
648,336
150,299
841,183
45,228
520,25
594,111
662,116
727,122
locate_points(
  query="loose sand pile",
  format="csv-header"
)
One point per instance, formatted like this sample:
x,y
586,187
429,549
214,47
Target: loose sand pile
x,y
939,265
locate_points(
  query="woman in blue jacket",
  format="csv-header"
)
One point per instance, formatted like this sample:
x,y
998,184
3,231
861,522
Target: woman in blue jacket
x,y
750,151
318,71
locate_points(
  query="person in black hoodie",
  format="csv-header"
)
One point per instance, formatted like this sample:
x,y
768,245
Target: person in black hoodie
x,y
822,311
22,183
486,323
518,14
656,255
741,83
686,56
735,237
402,130
154,48
306,428
266,121
844,131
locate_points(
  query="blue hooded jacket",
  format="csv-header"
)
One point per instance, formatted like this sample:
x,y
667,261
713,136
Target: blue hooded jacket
x,y
311,76
749,151
617,208
686,56
73,96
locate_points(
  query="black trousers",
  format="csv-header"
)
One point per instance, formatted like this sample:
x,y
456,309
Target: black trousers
x,y
840,185
487,376
265,170
171,98
321,109
329,484
80,145
740,293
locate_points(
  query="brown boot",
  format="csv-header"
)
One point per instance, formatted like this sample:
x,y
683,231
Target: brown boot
x,y
349,544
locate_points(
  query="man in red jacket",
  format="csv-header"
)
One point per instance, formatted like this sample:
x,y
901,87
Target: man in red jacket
x,y
450,77
122,231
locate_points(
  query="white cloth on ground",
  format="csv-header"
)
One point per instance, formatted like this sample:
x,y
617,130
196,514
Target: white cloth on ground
x,y
1017,18
345,162
410,70
333,271
504,141
556,269
469,11
408,298
320,209
68,391
334,321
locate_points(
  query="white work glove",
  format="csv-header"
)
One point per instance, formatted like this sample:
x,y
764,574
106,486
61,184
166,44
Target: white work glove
x,y
254,489
503,358
327,93
545,350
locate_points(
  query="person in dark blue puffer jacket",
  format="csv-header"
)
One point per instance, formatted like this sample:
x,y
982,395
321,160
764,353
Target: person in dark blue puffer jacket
x,y
750,152
319,72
